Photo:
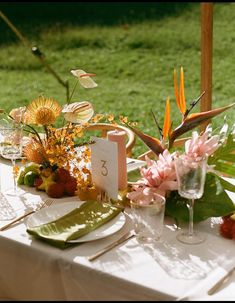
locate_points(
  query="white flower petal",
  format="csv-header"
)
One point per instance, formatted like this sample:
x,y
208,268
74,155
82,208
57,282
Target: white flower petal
x,y
78,112
85,81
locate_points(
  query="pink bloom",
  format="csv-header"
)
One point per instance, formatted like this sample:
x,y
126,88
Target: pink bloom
x,y
157,179
202,146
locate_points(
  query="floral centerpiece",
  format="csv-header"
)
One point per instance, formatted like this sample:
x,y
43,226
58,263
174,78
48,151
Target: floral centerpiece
x,y
158,177
58,162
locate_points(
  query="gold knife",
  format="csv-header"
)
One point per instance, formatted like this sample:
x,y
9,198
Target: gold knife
x,y
125,237
212,290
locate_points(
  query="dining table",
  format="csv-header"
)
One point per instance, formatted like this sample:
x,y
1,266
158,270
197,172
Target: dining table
x,y
164,270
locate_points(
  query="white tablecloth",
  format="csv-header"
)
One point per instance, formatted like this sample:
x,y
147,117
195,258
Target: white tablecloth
x,y
33,270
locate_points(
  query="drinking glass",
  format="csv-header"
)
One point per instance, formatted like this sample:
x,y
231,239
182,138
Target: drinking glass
x,y
11,148
149,219
191,180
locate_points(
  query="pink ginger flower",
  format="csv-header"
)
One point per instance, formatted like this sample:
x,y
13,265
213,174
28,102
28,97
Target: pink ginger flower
x,y
157,179
199,147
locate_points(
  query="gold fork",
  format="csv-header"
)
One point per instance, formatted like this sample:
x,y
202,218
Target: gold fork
x,y
45,203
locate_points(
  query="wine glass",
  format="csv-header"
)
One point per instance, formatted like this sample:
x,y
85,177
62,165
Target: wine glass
x,y
11,148
191,180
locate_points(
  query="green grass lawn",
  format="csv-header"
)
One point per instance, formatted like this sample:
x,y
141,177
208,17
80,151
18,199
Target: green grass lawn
x,y
133,48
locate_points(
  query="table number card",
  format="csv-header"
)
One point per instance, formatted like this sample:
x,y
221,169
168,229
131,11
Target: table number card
x,y
104,166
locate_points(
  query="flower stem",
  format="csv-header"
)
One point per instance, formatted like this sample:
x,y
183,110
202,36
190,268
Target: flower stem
x,y
35,132
190,208
46,131
193,103
70,98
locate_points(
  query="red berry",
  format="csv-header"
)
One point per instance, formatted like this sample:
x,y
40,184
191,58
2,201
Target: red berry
x,y
70,187
233,231
62,175
227,228
55,190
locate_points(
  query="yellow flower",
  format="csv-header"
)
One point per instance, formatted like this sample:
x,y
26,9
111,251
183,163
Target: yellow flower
x,y
110,118
123,120
84,78
97,118
78,112
43,111
35,152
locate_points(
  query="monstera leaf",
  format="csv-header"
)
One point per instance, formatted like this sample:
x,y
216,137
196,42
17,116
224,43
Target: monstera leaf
x,y
215,202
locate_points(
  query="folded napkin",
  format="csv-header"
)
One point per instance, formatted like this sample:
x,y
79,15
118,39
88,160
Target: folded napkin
x,y
75,224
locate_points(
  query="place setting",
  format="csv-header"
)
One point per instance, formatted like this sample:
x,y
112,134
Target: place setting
x,y
98,173
91,199
117,152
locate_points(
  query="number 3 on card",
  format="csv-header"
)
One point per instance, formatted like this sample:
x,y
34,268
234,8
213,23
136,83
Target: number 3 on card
x,y
104,169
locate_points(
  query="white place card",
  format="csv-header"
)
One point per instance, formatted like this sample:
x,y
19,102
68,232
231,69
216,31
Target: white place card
x,y
104,166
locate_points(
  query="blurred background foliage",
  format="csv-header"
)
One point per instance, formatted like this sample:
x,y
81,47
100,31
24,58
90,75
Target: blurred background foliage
x,y
133,47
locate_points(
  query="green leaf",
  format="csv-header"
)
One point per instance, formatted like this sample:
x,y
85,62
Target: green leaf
x,y
228,157
134,175
77,223
215,202
226,185
224,158
226,168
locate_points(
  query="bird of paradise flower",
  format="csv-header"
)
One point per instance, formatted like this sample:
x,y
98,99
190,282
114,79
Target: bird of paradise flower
x,y
188,122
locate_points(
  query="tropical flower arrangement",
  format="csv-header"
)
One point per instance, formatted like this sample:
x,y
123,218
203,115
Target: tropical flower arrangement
x,y
158,177
57,162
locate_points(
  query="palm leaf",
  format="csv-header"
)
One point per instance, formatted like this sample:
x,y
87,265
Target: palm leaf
x,y
223,159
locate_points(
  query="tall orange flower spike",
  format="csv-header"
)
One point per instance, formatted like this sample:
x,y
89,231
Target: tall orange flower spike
x,y
182,96
167,120
177,97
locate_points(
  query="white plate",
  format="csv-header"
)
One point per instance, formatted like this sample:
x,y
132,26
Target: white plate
x,y
56,211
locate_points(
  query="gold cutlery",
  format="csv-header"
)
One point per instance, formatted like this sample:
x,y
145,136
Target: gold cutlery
x,y
212,290
44,203
125,237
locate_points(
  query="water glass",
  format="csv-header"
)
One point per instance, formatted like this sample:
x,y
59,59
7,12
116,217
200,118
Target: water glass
x,y
149,219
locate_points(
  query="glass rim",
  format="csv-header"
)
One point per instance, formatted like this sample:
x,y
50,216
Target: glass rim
x,y
138,204
184,157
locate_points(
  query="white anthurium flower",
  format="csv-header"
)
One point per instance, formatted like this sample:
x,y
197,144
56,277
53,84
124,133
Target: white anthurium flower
x,y
84,78
78,112
18,114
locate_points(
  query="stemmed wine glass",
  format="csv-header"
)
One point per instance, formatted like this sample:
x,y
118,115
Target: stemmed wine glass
x,y
191,180
11,148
